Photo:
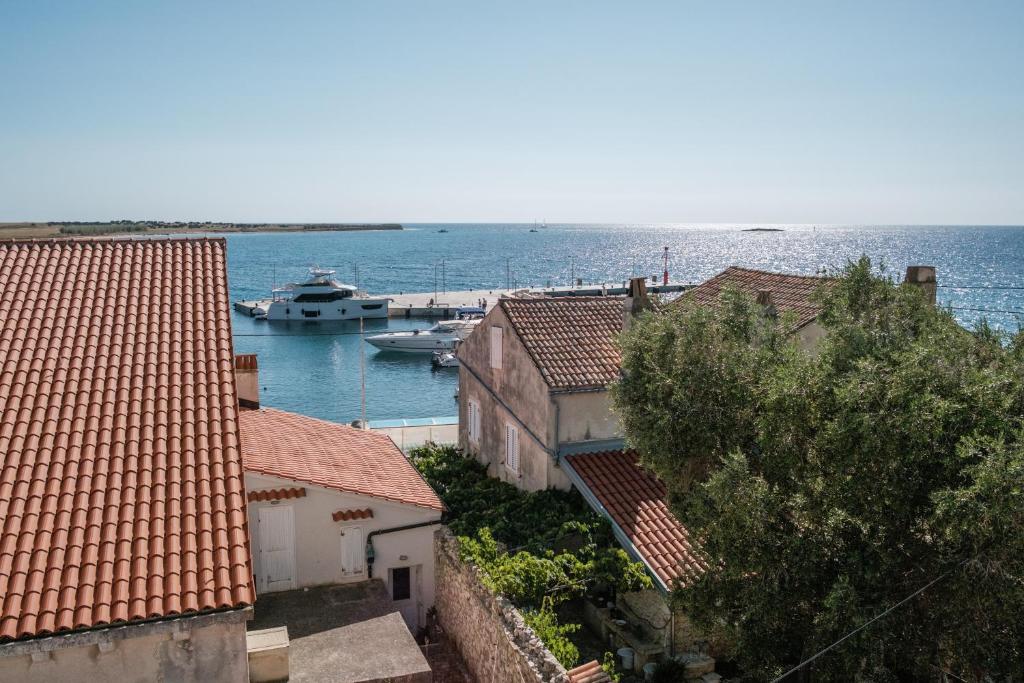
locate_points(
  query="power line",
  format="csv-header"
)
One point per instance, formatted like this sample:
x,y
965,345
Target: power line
x,y
863,626
987,310
980,286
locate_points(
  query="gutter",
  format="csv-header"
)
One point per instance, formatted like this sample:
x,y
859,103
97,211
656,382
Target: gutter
x,y
620,535
371,554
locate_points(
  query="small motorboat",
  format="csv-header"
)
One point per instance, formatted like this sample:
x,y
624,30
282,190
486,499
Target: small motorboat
x,y
441,337
444,359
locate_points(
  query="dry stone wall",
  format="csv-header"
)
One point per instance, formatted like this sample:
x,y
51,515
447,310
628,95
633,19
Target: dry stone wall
x,y
487,629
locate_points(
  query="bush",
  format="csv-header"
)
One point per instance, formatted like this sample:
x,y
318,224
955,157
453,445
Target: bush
x,y
537,549
544,623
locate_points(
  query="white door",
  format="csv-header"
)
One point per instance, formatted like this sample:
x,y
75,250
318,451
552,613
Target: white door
x,y
277,548
353,552
404,585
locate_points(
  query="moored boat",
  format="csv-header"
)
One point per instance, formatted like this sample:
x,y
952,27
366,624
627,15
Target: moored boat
x,y
321,298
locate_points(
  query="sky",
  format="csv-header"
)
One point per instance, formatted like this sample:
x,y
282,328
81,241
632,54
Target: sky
x,y
750,112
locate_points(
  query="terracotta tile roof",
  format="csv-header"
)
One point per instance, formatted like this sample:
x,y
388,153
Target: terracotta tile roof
x,y
265,495
348,515
121,484
591,672
331,455
636,501
790,293
571,339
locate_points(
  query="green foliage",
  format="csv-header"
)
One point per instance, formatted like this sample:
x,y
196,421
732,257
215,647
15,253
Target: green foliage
x,y
556,545
827,486
609,667
555,636
537,549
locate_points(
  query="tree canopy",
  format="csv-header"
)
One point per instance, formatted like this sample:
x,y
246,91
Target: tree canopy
x,y
825,486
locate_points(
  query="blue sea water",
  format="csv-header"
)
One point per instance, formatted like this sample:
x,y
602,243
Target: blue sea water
x,y
315,368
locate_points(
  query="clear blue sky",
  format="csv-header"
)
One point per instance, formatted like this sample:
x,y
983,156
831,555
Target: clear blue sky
x,y
812,112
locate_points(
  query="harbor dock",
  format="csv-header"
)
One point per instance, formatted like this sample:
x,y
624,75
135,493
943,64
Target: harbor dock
x,y
445,304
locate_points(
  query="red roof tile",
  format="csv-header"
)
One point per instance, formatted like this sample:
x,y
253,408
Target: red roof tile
x,y
121,485
571,339
790,293
264,495
591,672
348,515
331,455
636,501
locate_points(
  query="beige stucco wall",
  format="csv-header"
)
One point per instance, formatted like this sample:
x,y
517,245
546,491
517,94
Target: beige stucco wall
x,y
318,537
190,649
810,335
521,388
585,416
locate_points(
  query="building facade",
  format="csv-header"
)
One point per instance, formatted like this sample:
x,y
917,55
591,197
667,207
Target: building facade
x,y
330,504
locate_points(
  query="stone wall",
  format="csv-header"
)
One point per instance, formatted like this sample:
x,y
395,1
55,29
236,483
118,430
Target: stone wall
x,y
488,630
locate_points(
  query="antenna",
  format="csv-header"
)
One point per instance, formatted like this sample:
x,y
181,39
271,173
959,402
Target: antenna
x,y
362,374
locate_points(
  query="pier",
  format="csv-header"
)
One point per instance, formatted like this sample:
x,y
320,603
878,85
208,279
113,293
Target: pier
x,y
445,304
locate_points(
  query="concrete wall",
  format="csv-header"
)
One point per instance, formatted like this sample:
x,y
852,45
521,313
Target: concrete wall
x,y
524,402
490,634
207,648
318,541
407,438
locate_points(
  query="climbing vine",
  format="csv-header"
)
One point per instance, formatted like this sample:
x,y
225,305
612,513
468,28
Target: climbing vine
x,y
538,549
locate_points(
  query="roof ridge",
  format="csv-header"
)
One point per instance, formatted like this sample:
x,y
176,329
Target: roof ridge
x,y
772,272
376,435
566,298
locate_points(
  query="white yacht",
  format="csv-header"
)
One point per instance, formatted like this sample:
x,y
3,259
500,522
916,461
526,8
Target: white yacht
x,y
444,336
321,298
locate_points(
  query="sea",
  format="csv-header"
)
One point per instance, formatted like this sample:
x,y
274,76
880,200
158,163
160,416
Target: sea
x,y
315,368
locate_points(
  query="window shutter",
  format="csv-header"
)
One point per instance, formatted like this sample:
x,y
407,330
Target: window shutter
x,y
477,421
512,448
495,347
473,415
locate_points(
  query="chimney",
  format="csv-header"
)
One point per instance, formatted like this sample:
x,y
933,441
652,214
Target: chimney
x,y
247,380
923,277
764,299
636,301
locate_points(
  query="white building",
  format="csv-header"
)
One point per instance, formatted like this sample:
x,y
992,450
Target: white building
x,y
331,504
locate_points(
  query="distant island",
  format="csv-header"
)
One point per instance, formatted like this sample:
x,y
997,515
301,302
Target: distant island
x,y
763,229
99,228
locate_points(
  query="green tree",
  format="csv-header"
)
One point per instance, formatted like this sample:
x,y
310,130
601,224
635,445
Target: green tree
x,y
826,486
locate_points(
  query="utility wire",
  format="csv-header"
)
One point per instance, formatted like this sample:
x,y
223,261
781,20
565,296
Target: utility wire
x,y
987,310
863,626
980,286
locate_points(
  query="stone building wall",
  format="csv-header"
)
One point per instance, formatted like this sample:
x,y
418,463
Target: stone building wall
x,y
488,630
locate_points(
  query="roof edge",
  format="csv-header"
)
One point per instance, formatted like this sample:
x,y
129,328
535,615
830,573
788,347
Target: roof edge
x,y
120,630
351,492
107,239
617,531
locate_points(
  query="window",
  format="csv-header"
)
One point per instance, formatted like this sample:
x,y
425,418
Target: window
x,y
400,587
512,448
473,416
495,348
311,314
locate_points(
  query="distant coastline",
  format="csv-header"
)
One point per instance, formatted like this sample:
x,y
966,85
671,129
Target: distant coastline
x,y
72,229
